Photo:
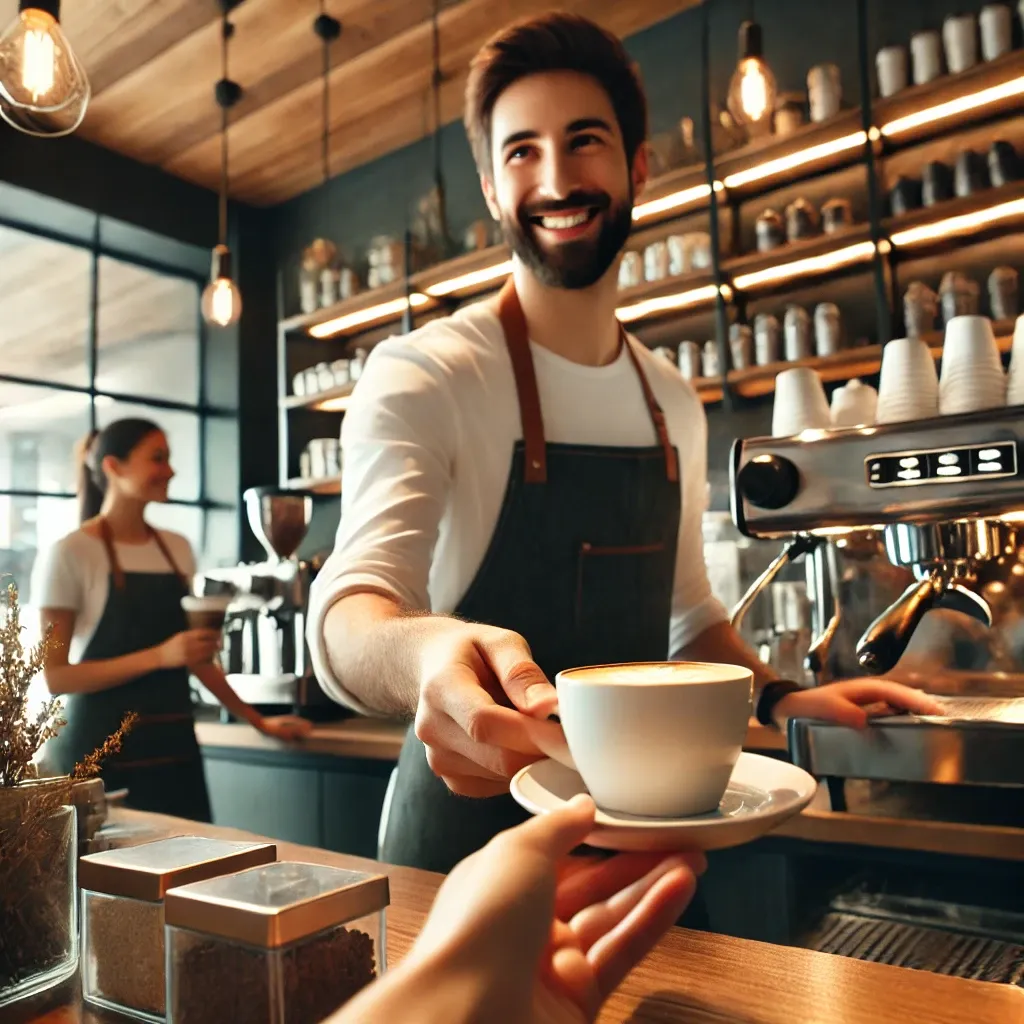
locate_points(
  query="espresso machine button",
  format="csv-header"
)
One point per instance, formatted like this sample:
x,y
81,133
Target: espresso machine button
x,y
769,481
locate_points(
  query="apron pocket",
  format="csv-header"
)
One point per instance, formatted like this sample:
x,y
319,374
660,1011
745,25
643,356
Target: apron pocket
x,y
617,590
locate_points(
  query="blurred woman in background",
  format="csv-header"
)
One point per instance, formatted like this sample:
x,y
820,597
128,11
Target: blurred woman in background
x,y
110,593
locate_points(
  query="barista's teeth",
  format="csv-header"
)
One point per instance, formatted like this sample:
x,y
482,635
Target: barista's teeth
x,y
561,223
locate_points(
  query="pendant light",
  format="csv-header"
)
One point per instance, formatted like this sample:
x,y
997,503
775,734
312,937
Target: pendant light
x,y
752,90
44,90
222,301
322,252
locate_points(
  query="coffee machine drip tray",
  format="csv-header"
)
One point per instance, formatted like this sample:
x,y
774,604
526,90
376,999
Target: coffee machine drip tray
x,y
978,743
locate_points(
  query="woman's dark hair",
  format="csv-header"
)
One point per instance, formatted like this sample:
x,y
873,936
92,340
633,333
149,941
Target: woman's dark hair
x,y
119,439
553,42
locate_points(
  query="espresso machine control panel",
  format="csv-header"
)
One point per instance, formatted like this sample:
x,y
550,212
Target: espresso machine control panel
x,y
942,465
924,472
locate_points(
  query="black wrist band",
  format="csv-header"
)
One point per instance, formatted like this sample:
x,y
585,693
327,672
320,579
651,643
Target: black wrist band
x,y
771,694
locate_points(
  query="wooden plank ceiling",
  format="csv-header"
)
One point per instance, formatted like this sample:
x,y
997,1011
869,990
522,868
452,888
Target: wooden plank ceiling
x,y
152,65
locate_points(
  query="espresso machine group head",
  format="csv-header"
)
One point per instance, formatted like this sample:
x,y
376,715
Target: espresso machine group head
x,y
945,499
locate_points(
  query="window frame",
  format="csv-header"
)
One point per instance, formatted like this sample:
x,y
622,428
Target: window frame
x,y
202,409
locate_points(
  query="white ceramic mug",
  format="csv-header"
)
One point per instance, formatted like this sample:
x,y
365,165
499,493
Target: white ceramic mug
x,y
996,21
824,91
960,37
926,56
1015,384
656,739
891,67
800,403
908,386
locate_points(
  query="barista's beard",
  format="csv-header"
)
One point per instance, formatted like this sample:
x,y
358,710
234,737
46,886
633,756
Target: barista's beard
x,y
577,264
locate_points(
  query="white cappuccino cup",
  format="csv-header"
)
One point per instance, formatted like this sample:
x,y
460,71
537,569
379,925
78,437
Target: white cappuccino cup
x,y
656,739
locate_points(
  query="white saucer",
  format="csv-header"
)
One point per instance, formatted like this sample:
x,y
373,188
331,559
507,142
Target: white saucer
x,y
762,793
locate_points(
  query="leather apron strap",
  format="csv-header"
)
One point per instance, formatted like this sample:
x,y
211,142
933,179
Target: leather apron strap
x,y
517,339
115,566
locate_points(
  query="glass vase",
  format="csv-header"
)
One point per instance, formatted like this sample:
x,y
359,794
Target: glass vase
x,y
38,908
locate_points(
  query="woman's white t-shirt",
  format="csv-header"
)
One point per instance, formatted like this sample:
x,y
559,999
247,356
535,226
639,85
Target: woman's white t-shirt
x,y
75,574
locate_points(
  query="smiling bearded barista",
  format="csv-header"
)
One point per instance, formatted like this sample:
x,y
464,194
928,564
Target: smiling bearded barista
x,y
523,483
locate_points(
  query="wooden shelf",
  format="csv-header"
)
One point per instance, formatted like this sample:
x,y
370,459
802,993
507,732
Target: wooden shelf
x,y
864,361
916,99
336,398
793,255
965,206
319,485
656,297
362,302
776,160
709,389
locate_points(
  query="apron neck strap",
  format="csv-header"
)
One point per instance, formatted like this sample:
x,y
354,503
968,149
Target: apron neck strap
x,y
107,536
517,339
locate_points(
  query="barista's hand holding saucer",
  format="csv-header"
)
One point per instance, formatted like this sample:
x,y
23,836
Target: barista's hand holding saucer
x,y
483,707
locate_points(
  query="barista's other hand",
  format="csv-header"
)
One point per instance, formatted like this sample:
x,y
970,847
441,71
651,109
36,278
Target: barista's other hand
x,y
853,703
483,707
521,934
286,727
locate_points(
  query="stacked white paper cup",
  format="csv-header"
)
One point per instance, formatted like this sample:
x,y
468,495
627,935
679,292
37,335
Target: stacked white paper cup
x,y
854,405
972,372
800,403
908,386
1015,385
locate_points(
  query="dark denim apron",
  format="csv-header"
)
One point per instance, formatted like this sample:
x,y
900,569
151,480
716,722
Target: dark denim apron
x,y
160,763
581,564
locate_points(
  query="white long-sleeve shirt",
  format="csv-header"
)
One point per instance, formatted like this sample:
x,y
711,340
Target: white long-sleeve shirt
x,y
427,445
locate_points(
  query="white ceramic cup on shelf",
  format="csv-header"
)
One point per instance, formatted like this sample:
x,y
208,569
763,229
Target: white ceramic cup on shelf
x,y
800,403
972,375
908,386
655,739
1015,383
891,67
996,24
960,38
854,405
926,56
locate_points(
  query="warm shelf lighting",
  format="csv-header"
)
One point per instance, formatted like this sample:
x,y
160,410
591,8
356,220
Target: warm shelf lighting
x,y
674,201
810,265
360,317
802,156
952,108
667,303
470,280
339,404
963,224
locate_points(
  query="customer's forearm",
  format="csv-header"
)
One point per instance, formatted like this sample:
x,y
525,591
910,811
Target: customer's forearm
x,y
94,676
375,650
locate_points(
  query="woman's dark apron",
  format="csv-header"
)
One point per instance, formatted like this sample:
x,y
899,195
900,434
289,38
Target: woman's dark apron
x,y
160,763
581,564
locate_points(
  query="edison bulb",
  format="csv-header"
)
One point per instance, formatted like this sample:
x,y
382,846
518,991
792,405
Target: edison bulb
x,y
222,302
752,92
44,90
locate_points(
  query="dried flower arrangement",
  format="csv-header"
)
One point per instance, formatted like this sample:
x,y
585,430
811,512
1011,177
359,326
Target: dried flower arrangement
x,y
34,846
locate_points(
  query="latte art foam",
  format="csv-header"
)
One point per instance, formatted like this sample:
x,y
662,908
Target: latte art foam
x,y
667,673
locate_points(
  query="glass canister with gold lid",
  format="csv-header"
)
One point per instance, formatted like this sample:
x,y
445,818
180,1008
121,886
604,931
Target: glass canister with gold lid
x,y
123,893
287,943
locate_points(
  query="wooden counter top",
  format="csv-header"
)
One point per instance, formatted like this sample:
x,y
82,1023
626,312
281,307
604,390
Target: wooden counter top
x,y
376,738
691,977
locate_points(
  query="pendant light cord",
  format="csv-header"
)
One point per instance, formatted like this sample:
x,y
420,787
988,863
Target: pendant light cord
x,y
436,85
223,206
326,107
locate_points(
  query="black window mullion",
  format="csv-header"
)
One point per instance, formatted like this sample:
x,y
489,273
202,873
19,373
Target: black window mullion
x,y
92,353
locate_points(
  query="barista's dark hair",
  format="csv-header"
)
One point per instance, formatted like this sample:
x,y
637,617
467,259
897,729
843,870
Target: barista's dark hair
x,y
119,439
553,42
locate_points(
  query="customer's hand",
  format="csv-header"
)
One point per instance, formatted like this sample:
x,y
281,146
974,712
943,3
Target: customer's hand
x,y
188,648
286,727
854,702
482,708
521,934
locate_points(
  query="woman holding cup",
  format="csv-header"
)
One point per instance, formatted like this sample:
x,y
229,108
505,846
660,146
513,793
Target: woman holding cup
x,y
111,595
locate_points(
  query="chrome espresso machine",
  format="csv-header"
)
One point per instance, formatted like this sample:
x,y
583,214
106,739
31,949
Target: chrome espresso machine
x,y
265,654
912,535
